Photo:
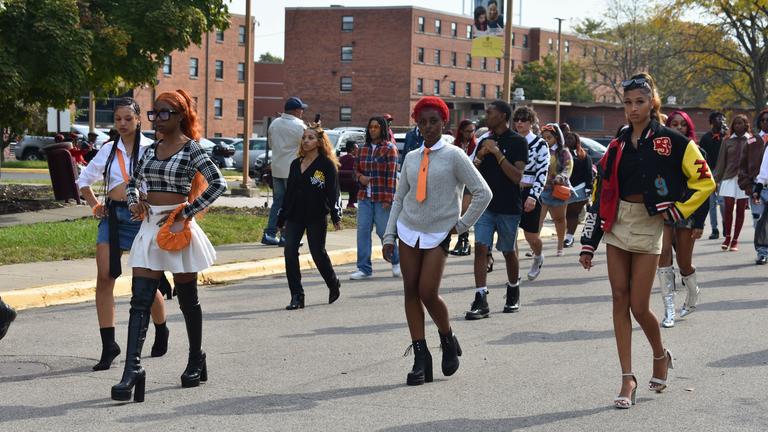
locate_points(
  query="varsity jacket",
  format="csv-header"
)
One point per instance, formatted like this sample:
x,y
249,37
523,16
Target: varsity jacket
x,y
676,180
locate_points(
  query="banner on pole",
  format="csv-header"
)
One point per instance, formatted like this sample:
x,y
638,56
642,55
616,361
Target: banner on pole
x,y
488,29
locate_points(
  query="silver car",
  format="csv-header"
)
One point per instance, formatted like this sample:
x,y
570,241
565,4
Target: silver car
x,y
256,148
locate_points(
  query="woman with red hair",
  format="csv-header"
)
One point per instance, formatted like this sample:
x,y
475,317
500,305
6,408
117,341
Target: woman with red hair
x,y
424,214
465,139
175,171
681,236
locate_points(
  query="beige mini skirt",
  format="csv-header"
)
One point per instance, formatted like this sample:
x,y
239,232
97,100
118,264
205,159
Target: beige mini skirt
x,y
634,231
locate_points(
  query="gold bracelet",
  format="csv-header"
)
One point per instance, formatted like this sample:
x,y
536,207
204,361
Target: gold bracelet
x,y
500,160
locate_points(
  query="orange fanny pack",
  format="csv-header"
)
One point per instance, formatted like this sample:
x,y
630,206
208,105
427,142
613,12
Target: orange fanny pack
x,y
561,192
174,241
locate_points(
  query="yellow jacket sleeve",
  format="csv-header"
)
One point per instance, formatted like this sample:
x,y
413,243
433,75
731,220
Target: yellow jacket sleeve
x,y
699,180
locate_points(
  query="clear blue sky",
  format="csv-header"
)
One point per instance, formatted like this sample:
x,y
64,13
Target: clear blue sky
x,y
270,14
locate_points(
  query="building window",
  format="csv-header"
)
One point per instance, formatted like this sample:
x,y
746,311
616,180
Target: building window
x,y
498,65
436,88
241,72
347,23
525,41
484,63
454,29
468,90
452,88
240,108
567,46
217,107
219,69
419,85
167,65
437,56
420,55
219,36
498,92
241,35
194,70
346,53
512,65
584,51
482,91
513,39
453,59
421,24
346,83
469,61
438,26
345,113
549,43
469,32
217,135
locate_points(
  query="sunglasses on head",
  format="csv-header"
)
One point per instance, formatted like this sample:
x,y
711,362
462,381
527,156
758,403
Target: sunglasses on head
x,y
635,83
160,115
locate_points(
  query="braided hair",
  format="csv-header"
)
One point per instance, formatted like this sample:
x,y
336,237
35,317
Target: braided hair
x,y
136,109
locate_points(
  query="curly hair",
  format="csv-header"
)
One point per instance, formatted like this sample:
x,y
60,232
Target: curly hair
x,y
432,102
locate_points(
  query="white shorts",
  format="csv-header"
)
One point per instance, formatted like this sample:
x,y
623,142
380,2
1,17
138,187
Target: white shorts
x,y
145,253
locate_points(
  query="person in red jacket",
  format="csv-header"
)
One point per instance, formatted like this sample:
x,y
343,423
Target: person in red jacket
x,y
648,174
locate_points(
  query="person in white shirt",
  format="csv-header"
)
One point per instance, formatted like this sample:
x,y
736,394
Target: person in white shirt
x,y
284,136
113,165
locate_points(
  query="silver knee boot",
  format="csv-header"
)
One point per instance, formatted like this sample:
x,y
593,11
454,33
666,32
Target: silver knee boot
x,y
692,297
667,283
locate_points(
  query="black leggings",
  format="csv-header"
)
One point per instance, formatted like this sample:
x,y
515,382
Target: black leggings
x,y
316,232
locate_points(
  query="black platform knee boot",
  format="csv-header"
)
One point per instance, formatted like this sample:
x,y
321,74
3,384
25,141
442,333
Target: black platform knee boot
x,y
451,352
189,304
143,290
422,364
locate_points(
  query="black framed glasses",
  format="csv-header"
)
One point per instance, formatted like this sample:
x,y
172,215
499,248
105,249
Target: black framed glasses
x,y
635,83
160,115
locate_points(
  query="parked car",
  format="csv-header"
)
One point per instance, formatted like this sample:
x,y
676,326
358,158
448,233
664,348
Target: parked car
x,y
223,140
220,154
340,136
149,134
350,128
400,140
256,148
83,130
594,149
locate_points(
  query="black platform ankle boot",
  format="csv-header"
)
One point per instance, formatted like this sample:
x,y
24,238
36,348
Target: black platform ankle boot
x,y
297,302
109,349
449,344
462,245
189,304
333,291
422,364
513,298
143,290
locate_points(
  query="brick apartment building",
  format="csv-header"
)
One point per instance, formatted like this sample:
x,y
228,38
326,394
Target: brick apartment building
x,y
375,60
268,98
212,72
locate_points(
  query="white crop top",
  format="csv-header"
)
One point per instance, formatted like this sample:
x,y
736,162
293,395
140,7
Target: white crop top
x,y
94,171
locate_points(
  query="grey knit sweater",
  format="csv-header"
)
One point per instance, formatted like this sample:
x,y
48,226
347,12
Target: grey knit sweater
x,y
449,171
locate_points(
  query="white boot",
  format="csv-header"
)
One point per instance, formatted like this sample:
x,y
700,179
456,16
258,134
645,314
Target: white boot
x,y
667,283
692,298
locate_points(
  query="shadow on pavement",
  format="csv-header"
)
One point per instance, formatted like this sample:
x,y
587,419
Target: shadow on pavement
x,y
369,329
753,359
525,337
571,300
734,305
508,424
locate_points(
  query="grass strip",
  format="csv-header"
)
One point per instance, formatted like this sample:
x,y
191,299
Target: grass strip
x,y
25,164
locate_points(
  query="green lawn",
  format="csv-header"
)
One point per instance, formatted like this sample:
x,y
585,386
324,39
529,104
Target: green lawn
x,y
25,164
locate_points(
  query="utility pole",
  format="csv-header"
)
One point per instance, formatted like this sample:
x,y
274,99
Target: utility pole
x,y
507,51
91,113
559,67
245,188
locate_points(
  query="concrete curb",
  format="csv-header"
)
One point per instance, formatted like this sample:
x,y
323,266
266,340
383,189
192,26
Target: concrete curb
x,y
78,292
25,170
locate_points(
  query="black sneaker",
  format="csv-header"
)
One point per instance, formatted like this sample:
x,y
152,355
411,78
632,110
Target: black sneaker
x,y
479,308
715,235
513,298
761,260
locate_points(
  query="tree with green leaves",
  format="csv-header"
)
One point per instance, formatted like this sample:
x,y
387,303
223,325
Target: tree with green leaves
x,y
539,80
268,57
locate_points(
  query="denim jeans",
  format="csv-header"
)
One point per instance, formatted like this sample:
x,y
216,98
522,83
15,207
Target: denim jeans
x,y
279,185
714,201
757,210
370,213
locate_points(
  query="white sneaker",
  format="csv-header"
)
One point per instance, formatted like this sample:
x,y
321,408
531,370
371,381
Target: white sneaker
x,y
359,275
538,262
396,270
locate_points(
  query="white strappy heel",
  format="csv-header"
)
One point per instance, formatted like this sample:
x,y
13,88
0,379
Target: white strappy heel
x,y
657,384
623,402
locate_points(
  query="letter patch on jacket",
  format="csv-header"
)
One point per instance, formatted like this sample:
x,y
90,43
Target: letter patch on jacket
x,y
318,179
703,170
662,146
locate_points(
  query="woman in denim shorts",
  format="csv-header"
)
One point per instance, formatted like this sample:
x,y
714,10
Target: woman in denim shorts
x,y
560,168
113,165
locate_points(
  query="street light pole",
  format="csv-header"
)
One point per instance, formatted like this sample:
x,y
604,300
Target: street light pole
x,y
245,188
507,52
559,68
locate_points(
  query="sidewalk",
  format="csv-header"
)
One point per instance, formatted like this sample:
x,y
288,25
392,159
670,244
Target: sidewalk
x,y
42,284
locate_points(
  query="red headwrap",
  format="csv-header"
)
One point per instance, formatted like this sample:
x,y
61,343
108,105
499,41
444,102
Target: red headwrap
x,y
432,102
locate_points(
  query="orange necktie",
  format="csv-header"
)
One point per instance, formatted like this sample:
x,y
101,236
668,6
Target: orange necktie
x,y
421,186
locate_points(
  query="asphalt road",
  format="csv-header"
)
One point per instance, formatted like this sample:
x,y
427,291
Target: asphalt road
x,y
552,366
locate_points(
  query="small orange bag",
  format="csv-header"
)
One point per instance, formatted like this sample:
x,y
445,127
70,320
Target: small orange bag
x,y
174,241
561,192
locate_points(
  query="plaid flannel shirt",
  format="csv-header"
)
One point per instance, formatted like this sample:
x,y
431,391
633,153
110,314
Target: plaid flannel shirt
x,y
381,166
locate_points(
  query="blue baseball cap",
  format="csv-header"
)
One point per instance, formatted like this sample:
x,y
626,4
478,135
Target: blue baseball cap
x,y
295,103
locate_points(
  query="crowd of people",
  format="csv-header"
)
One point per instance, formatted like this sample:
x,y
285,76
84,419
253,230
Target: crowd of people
x,y
647,199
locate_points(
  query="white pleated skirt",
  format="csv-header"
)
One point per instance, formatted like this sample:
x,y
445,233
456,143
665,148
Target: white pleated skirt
x,y
145,253
730,188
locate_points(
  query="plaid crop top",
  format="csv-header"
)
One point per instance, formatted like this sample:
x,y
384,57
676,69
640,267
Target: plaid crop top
x,y
175,175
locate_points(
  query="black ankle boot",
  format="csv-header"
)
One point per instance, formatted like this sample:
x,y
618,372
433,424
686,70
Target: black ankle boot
x,y
422,364
109,349
462,246
160,347
297,302
134,375
479,308
513,298
7,315
334,293
189,304
449,344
